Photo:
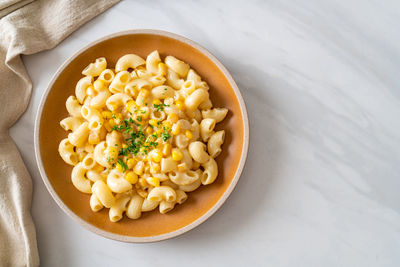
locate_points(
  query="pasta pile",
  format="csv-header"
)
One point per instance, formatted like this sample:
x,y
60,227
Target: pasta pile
x,y
142,134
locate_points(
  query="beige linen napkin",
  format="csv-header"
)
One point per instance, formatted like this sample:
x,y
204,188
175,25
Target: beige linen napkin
x,y
8,6
30,27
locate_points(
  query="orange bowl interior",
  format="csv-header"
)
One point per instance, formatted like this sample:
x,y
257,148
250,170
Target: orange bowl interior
x,y
151,223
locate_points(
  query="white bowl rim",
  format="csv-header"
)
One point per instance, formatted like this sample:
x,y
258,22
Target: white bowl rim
x,y
204,217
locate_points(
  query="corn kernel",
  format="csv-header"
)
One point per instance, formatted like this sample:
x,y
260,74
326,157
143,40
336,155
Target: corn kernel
x,y
176,129
119,168
177,154
130,163
167,149
156,102
142,193
130,106
153,122
153,181
173,118
149,130
142,182
167,124
189,134
180,105
106,114
131,177
98,85
159,131
156,155
124,145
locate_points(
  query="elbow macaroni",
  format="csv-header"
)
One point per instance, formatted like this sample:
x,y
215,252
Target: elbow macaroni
x,y
96,68
142,136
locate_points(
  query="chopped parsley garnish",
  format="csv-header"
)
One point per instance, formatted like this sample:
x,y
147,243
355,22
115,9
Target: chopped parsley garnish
x,y
160,107
123,152
137,142
117,127
165,135
126,128
123,165
154,144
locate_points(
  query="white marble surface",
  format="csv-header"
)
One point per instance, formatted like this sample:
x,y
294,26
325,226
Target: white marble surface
x,y
321,184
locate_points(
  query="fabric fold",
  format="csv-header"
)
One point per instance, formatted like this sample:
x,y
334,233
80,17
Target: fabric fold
x,y
8,6
33,27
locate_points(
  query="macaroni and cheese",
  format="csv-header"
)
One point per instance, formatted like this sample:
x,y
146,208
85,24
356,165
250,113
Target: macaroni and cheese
x,y
142,134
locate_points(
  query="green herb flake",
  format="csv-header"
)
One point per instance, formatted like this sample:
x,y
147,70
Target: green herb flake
x,y
165,135
123,152
123,165
160,107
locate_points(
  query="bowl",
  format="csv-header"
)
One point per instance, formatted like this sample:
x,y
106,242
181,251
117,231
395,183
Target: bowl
x,y
152,226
